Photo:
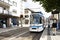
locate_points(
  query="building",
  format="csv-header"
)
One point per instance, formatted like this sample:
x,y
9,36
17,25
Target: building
x,y
26,17
55,14
5,13
9,13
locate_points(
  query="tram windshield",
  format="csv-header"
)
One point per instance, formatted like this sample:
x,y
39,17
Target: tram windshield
x,y
36,20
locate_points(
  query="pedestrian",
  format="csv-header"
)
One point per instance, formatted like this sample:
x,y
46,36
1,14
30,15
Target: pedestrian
x,y
54,26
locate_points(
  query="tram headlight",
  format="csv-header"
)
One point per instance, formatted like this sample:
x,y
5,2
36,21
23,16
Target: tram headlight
x,y
40,27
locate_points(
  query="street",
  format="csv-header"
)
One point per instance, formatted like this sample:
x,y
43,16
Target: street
x,y
29,20
20,34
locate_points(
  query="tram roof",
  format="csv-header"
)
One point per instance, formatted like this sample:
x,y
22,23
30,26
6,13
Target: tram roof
x,y
37,13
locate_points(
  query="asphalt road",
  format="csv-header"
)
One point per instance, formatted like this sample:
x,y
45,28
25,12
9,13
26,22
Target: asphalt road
x,y
20,34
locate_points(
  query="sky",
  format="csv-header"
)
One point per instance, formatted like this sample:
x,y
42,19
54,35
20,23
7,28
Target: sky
x,y
36,7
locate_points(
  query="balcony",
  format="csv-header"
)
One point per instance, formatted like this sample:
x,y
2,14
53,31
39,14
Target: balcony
x,y
4,12
5,3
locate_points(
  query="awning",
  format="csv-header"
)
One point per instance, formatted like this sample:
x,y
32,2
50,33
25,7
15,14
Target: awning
x,y
7,16
55,12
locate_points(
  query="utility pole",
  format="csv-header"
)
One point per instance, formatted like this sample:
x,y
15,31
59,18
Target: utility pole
x,y
21,17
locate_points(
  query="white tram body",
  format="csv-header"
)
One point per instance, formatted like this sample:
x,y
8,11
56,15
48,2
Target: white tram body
x,y
36,22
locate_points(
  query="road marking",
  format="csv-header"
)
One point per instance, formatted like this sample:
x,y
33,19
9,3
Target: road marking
x,y
18,35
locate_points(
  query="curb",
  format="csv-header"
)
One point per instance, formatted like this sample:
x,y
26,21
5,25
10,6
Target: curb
x,y
44,35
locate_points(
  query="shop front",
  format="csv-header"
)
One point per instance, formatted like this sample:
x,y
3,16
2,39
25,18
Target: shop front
x,y
8,21
3,21
15,22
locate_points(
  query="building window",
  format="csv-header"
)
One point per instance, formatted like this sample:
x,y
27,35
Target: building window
x,y
26,16
24,0
26,11
4,8
14,11
9,0
26,21
14,3
1,0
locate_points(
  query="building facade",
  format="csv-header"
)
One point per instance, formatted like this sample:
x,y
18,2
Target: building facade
x,y
26,15
9,13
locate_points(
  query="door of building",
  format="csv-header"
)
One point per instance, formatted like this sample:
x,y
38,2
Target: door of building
x,y
2,21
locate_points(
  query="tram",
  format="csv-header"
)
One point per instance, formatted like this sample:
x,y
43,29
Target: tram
x,y
36,22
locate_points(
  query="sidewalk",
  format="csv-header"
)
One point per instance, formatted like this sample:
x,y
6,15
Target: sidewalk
x,y
47,35
8,29
57,37
44,35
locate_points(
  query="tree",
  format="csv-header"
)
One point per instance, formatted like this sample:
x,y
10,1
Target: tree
x,y
50,5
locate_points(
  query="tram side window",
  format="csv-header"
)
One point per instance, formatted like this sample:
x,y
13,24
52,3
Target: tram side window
x,y
40,20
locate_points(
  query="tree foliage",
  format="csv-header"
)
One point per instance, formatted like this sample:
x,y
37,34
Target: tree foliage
x,y
50,5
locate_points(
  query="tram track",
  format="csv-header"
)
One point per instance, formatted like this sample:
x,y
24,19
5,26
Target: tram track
x,y
23,35
37,36
32,35
12,33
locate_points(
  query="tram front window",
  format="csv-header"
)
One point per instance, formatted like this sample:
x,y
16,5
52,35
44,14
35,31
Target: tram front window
x,y
35,21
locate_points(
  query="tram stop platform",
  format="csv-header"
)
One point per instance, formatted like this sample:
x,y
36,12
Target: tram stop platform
x,y
48,35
